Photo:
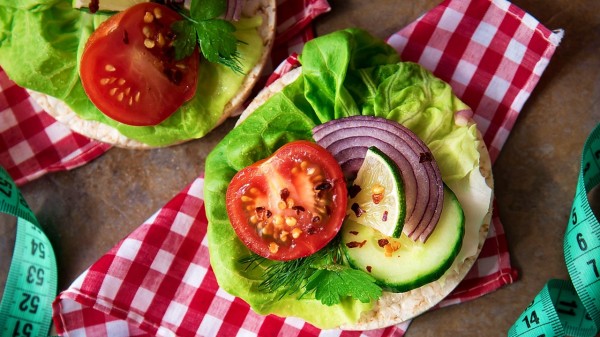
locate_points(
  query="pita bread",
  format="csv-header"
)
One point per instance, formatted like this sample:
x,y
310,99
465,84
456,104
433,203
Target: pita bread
x,y
104,133
395,308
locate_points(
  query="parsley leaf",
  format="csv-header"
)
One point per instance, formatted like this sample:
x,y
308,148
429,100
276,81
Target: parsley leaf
x,y
215,36
335,282
321,273
207,9
217,42
185,42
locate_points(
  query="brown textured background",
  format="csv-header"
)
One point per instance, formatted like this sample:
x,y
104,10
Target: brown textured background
x,y
88,210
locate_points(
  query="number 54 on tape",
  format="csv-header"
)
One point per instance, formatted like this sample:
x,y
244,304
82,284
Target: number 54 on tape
x,y
26,307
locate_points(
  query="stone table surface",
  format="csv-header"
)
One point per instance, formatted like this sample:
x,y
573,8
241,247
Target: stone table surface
x,y
88,210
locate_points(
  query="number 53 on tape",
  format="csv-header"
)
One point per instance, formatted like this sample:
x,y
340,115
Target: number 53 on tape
x,y
26,307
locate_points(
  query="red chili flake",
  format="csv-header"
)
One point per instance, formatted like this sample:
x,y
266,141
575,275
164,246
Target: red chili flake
x,y
298,209
382,242
357,210
353,190
269,214
425,156
316,219
311,230
174,75
260,212
354,232
354,244
93,6
369,269
285,193
323,186
377,198
384,216
125,37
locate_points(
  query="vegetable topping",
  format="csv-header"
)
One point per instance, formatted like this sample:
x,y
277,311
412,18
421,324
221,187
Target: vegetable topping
x,y
289,205
214,35
348,140
321,274
380,204
401,264
129,70
346,73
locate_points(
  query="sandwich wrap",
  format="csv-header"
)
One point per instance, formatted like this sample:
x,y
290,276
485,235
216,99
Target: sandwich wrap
x,y
343,74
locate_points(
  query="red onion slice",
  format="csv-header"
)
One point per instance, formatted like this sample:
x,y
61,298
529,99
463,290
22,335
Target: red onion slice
x,y
234,10
429,219
348,140
344,148
416,181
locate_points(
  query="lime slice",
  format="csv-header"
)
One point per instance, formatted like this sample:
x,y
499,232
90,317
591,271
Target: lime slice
x,y
380,203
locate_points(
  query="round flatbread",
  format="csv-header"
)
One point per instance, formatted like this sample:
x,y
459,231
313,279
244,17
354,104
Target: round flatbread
x,y
395,308
105,133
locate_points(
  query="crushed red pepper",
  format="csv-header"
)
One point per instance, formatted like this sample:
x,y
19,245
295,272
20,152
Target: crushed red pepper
x,y
353,190
355,244
357,210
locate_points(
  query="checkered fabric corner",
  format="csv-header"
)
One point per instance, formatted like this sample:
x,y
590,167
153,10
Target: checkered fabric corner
x,y
32,143
158,280
491,52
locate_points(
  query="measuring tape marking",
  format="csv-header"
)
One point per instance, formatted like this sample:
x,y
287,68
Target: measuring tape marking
x,y
26,306
572,307
584,254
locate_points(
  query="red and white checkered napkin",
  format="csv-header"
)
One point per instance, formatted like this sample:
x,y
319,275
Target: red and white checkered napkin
x,y
32,143
158,280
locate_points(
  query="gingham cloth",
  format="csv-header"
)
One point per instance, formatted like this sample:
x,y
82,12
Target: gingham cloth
x,y
158,280
32,143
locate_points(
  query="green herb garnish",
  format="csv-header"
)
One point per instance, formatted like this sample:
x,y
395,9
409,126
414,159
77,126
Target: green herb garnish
x,y
335,282
322,273
215,36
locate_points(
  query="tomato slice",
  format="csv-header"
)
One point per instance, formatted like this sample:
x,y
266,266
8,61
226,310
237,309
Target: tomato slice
x,y
289,205
128,67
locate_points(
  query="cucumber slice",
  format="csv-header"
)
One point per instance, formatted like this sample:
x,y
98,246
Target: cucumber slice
x,y
107,5
413,264
380,204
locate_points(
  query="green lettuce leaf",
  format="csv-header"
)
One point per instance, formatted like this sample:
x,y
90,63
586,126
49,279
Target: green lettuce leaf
x,y
40,46
344,73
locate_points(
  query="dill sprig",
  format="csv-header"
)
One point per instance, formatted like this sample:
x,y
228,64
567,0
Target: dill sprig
x,y
289,277
323,273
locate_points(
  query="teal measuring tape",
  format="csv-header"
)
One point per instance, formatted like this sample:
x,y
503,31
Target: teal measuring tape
x,y
572,307
26,307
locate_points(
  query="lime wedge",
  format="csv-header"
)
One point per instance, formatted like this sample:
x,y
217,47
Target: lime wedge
x,y
380,203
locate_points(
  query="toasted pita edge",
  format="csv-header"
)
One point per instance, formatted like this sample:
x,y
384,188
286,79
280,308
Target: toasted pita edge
x,y
107,134
395,308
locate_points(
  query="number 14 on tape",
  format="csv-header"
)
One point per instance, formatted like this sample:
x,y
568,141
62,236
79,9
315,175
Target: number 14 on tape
x,y
555,311
572,307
